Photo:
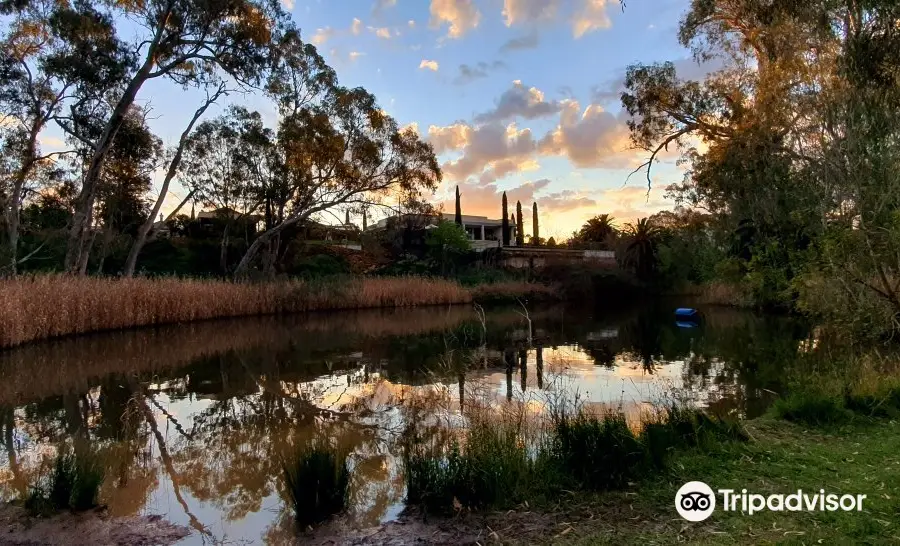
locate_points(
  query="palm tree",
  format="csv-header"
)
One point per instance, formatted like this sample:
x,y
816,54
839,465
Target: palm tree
x,y
597,230
640,252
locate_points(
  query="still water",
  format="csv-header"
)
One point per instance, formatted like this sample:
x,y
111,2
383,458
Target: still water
x,y
189,418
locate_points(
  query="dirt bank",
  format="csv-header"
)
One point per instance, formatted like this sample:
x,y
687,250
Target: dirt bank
x,y
88,528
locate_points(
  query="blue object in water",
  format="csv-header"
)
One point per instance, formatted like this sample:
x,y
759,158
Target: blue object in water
x,y
687,313
681,324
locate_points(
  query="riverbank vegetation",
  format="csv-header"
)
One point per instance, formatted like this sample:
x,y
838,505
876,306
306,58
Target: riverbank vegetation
x,y
43,307
503,460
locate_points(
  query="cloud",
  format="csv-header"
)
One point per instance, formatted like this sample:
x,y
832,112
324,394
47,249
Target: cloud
x,y
584,15
565,201
381,5
322,35
383,32
592,16
629,203
686,68
461,15
520,101
430,65
595,138
356,27
490,151
468,74
485,199
528,41
527,11
449,138
355,55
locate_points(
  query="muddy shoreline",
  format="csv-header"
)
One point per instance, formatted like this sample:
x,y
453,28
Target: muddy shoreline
x,y
94,527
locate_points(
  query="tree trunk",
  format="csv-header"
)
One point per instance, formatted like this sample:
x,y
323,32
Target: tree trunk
x,y
29,159
263,240
104,248
84,204
141,239
223,250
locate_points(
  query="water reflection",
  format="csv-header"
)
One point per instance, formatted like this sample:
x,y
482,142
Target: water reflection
x,y
190,420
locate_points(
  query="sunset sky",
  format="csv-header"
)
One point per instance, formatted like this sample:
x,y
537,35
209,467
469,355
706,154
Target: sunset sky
x,y
515,95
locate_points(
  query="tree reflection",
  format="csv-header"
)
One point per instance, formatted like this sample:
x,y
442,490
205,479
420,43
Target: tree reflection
x,y
212,428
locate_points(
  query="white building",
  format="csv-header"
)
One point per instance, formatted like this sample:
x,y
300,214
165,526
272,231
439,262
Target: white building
x,y
484,232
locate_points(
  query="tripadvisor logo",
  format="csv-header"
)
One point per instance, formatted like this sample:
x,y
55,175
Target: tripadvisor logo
x,y
695,501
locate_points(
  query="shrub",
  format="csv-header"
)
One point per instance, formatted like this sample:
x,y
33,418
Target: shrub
x,y
317,479
810,408
74,483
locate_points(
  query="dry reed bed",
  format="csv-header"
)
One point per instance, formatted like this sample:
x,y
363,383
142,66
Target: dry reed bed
x,y
507,290
78,363
44,307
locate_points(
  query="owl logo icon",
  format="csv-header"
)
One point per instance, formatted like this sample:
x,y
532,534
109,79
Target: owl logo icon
x,y
695,501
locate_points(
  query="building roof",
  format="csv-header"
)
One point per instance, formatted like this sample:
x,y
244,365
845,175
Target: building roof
x,y
225,211
467,219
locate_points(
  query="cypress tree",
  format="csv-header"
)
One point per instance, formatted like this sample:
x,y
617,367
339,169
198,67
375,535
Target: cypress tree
x,y
520,231
505,221
535,230
458,208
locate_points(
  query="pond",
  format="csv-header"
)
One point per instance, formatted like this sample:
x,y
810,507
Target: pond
x,y
189,418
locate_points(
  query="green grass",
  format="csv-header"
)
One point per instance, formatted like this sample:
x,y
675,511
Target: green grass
x,y
862,458
73,483
490,467
316,479
498,463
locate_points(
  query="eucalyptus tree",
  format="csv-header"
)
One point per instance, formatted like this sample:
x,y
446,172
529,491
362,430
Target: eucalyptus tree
x,y
334,148
799,137
192,43
54,55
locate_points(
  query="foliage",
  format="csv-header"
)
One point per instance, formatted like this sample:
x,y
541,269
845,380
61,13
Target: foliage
x,y
505,220
316,480
499,462
447,244
641,241
490,467
597,232
73,483
799,149
520,228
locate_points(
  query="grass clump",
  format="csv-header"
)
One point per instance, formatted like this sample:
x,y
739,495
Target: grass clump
x,y
498,464
597,452
73,483
812,409
489,466
317,481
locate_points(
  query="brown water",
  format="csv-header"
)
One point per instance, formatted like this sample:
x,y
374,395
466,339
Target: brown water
x,y
190,418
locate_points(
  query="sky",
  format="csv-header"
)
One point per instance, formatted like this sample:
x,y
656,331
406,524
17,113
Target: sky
x,y
515,95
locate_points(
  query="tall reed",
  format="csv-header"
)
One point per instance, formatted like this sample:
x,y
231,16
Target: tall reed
x,y
317,481
47,306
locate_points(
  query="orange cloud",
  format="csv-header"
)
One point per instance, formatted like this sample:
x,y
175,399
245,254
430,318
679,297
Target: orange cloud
x,y
430,65
461,15
595,138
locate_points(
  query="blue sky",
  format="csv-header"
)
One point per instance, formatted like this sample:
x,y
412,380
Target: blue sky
x,y
515,95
